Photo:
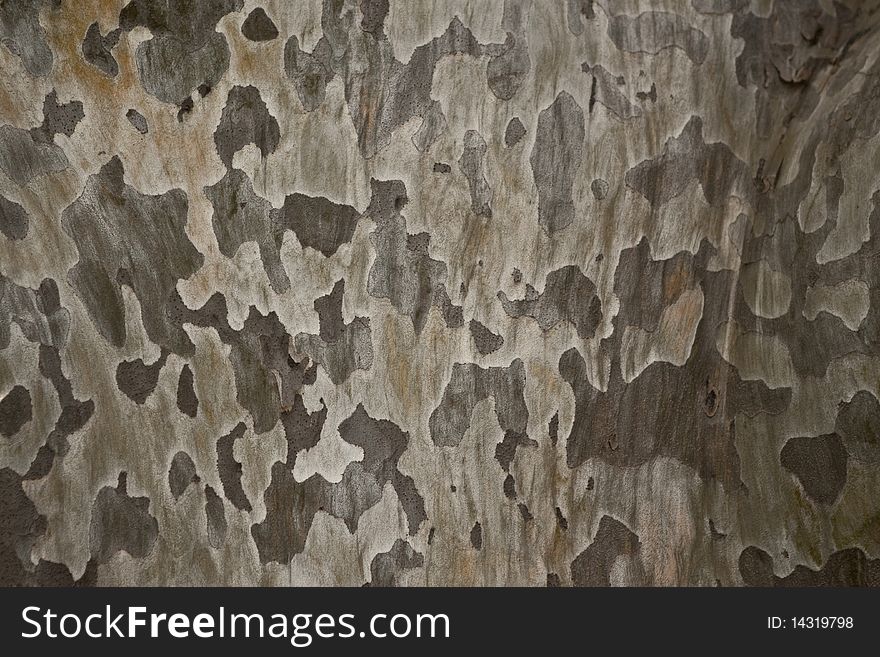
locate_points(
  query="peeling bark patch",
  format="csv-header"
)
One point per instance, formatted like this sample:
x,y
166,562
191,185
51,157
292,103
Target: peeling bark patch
x,y
514,132
613,541
245,120
477,536
96,49
850,567
291,506
317,222
29,154
181,474
471,165
137,379
121,523
485,340
819,464
15,410
187,401
216,518
688,158
120,235
470,384
654,31
387,567
310,72
21,526
258,26
138,121
555,161
578,11
607,90
568,296
339,347
403,271
184,50
14,221
23,35
230,470
73,417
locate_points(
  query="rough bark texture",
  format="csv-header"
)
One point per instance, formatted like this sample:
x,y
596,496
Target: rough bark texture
x,y
440,292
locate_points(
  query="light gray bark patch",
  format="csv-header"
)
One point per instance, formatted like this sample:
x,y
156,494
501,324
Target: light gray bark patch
x,y
14,221
471,165
470,384
403,271
318,223
654,31
181,474
230,470
187,401
485,340
137,379
514,132
245,120
339,347
310,72
291,506
138,121
477,536
568,296
121,523
97,49
613,541
820,465
241,215
849,567
15,410
127,238
555,160
387,567
599,188
607,90
258,26
73,417
185,51
576,9
215,513
24,36
686,159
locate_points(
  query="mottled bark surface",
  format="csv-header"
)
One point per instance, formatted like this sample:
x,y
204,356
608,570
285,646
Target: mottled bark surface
x,y
440,292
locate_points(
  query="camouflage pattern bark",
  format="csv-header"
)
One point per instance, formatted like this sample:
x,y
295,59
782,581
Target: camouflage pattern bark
x,y
439,292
